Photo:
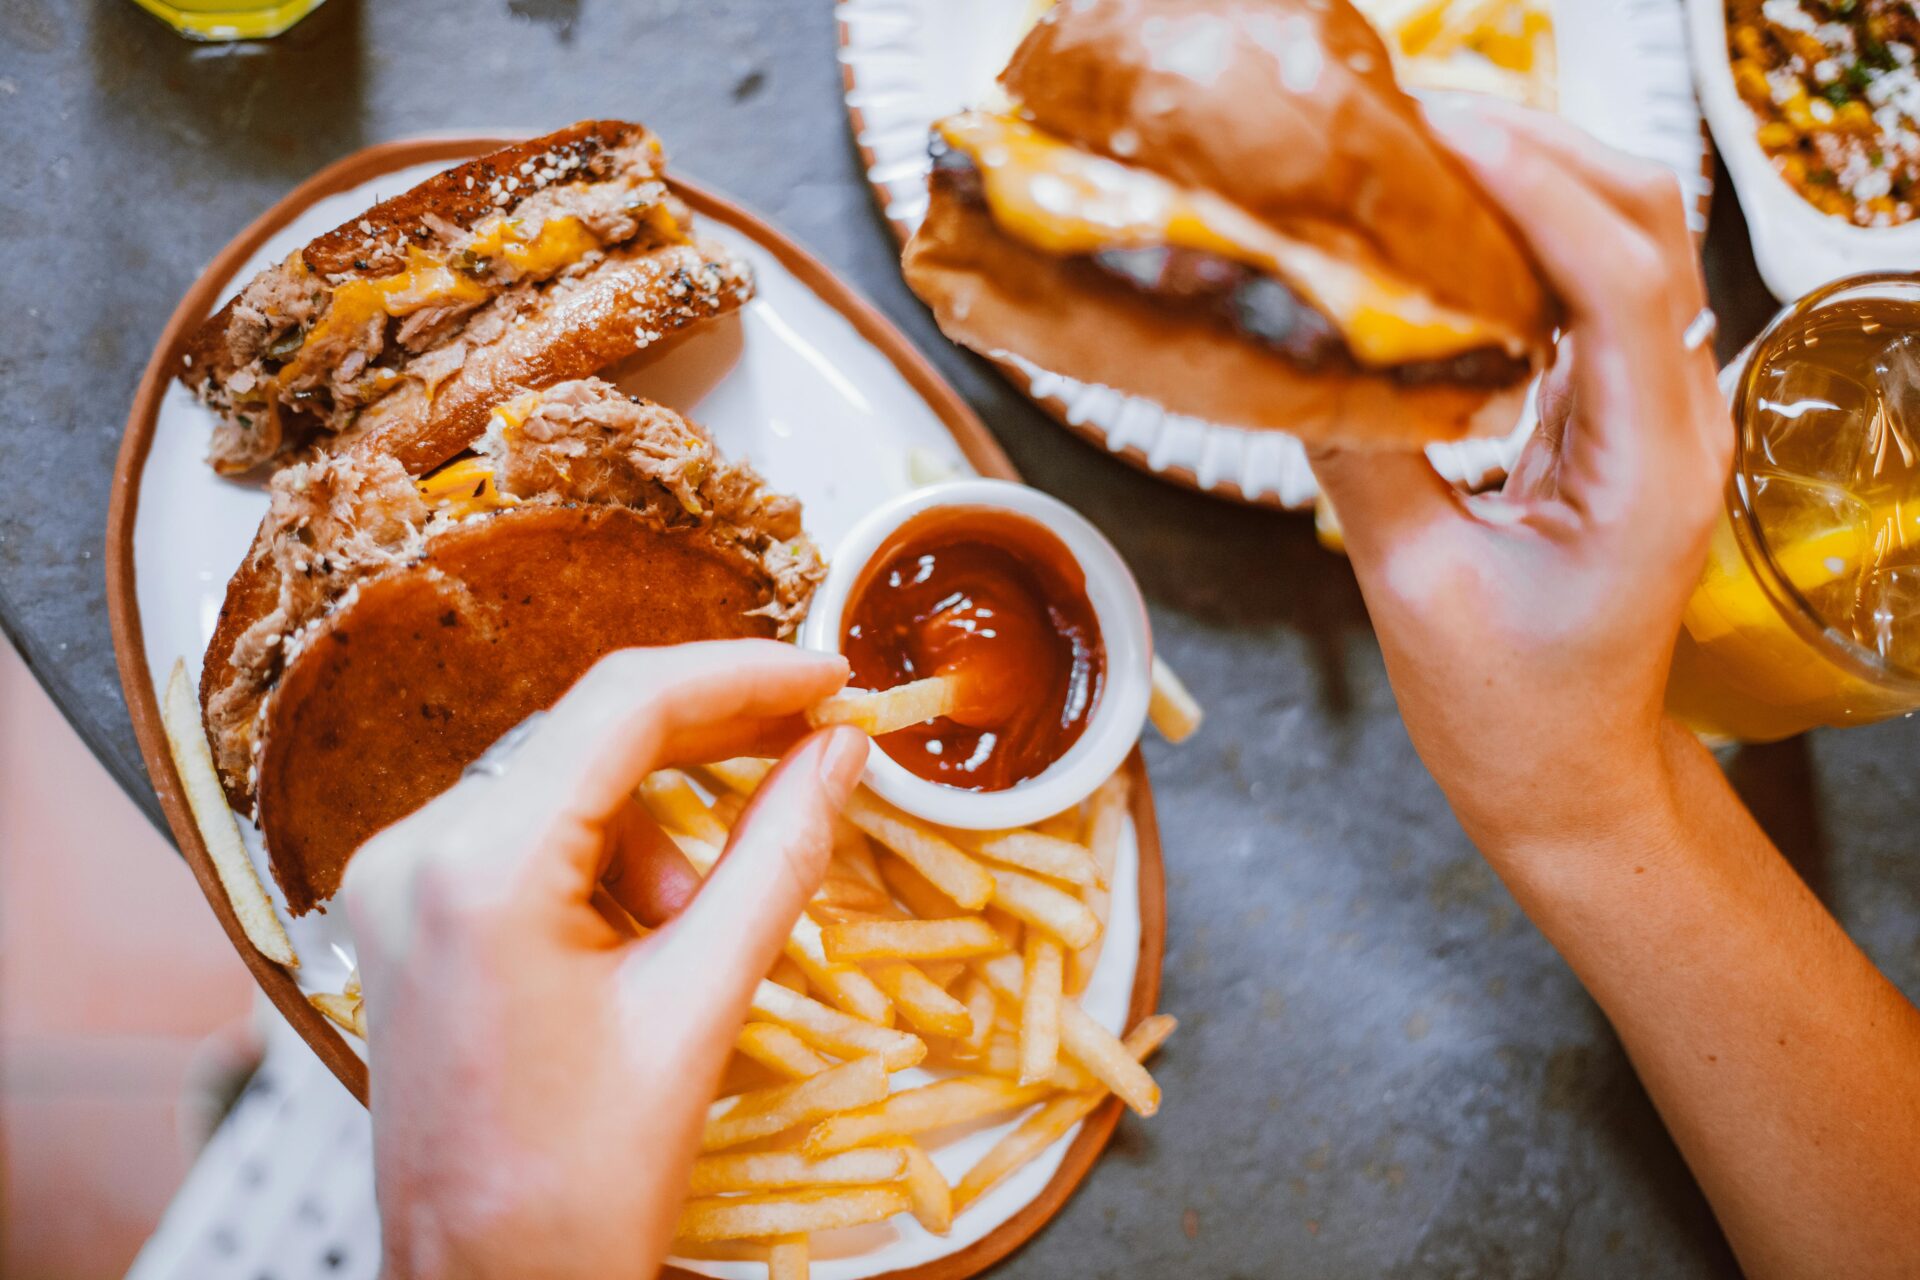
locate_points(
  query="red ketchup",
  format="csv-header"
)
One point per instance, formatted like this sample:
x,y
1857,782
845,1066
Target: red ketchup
x,y
997,601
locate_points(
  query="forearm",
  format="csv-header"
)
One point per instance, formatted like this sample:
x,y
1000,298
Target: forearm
x,y
1784,1063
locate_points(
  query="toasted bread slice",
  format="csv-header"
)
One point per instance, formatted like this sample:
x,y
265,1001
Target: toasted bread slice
x,y
373,319
348,519
398,690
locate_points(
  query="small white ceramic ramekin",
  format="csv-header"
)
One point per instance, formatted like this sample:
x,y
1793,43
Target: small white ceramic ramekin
x,y
1119,714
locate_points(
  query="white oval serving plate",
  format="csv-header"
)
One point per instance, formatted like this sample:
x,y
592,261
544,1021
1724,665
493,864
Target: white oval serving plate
x,y
1623,77
826,399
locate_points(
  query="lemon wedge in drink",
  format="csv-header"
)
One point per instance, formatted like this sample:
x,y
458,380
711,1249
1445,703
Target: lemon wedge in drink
x,y
1730,598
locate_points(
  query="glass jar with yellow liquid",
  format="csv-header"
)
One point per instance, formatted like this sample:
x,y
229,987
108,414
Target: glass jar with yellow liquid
x,y
1808,612
229,19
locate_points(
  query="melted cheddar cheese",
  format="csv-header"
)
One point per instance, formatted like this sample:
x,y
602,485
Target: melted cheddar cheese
x,y
464,488
1057,198
430,280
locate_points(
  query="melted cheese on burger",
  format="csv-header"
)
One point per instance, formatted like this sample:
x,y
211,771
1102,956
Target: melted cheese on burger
x,y
1060,199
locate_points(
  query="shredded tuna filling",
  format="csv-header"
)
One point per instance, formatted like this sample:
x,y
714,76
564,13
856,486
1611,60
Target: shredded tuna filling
x,y
292,368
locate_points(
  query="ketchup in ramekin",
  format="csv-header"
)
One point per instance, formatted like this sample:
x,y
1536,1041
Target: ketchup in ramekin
x,y
995,600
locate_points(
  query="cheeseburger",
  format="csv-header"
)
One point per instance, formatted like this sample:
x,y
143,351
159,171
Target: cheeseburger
x,y
1230,207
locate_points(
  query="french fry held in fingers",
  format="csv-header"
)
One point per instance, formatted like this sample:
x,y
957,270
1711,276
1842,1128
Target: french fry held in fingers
x,y
876,712
1051,1122
731,1171
787,1213
762,1113
200,783
932,1106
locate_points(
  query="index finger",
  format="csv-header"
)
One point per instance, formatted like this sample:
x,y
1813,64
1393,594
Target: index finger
x,y
635,707
1625,269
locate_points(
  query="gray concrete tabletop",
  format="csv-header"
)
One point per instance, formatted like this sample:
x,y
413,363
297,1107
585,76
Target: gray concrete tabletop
x,y
1382,1069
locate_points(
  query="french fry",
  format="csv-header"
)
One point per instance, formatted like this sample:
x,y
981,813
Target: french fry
x,y
778,1049
1001,1057
787,1258
852,851
1041,905
752,1217
1040,1009
771,1170
841,893
833,976
675,805
1031,851
1068,824
724,1250
1051,1122
727,807
932,1106
742,775
1005,974
931,1195
1174,711
200,784
1107,814
949,939
942,972
883,711
952,872
921,897
982,1008
840,1034
343,1011
1096,1049
761,1113
789,975
921,1001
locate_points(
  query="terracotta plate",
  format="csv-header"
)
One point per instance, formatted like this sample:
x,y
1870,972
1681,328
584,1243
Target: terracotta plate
x,y
808,381
1623,76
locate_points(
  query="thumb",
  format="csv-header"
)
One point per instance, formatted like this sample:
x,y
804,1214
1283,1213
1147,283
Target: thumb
x,y
1384,500
726,940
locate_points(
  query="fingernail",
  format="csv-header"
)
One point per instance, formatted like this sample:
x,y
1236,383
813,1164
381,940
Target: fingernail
x,y
842,757
1466,129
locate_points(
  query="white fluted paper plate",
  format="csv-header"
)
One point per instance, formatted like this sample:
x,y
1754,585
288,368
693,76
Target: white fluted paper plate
x,y
1623,77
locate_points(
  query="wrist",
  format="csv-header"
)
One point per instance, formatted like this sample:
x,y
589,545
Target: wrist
x,y
1615,809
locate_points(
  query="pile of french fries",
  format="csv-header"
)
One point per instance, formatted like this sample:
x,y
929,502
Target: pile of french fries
x,y
924,947
1499,47
962,951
